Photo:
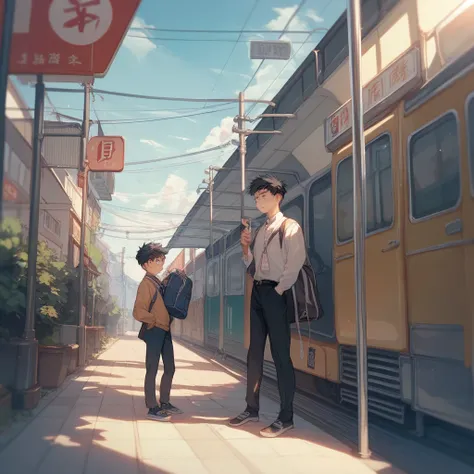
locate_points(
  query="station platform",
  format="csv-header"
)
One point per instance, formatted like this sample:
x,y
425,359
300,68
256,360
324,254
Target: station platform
x,y
95,423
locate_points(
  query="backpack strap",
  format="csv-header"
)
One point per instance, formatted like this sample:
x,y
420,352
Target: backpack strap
x,y
281,230
158,286
252,244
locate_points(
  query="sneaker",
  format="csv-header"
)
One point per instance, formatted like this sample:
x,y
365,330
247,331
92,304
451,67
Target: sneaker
x,y
277,428
171,409
243,418
158,414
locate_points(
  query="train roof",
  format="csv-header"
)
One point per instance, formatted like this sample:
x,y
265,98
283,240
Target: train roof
x,y
302,94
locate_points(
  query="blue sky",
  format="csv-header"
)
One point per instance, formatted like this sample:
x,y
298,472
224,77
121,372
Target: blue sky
x,y
145,65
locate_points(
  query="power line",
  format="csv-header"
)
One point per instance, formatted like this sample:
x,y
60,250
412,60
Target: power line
x,y
242,32
234,48
199,152
147,120
252,107
205,40
292,17
150,97
130,209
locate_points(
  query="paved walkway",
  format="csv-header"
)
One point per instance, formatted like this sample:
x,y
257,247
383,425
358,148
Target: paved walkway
x,y
96,424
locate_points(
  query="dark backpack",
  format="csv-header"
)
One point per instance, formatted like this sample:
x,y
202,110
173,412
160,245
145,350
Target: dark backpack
x,y
303,301
177,294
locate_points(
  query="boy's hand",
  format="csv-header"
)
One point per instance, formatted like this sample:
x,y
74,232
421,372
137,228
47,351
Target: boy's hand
x,y
245,237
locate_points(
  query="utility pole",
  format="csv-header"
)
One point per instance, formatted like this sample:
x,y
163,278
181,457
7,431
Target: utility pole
x,y
242,128
360,199
124,289
243,132
6,40
81,333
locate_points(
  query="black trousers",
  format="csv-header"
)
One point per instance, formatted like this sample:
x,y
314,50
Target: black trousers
x,y
268,317
158,343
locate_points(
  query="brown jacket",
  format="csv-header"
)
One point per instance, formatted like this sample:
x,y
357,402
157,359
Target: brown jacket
x,y
159,316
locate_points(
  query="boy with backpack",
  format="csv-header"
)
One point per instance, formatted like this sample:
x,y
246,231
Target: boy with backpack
x,y
276,259
151,311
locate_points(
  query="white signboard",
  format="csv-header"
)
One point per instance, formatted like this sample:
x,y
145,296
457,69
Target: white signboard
x,y
387,87
270,50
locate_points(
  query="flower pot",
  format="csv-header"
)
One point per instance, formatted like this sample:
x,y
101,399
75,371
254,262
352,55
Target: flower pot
x,y
73,350
53,363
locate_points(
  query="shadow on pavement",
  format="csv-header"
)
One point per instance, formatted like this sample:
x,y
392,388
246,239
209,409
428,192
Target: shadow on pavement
x,y
97,422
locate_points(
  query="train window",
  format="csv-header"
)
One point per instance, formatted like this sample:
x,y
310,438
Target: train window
x,y
213,279
379,190
320,250
235,275
345,210
379,184
434,168
294,210
470,134
198,284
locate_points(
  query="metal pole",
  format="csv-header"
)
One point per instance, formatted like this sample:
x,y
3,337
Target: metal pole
x,y
242,149
360,194
85,169
124,290
211,210
35,197
7,34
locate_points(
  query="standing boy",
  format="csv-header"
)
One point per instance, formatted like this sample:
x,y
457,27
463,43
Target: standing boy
x,y
276,270
150,309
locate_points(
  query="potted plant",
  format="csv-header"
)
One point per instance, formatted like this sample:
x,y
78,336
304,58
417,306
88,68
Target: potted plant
x,y
52,297
12,300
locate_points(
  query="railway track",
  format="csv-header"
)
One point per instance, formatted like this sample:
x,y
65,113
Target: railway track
x,y
442,450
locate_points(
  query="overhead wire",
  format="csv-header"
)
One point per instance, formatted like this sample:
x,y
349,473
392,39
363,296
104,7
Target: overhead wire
x,y
194,40
252,10
243,32
147,120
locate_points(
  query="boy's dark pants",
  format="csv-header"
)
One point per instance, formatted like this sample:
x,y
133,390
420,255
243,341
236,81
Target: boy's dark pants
x,y
158,342
268,317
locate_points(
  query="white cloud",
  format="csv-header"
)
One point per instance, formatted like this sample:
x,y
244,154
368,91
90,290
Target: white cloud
x,y
312,15
220,72
173,197
284,14
123,197
183,139
153,143
220,134
273,74
140,46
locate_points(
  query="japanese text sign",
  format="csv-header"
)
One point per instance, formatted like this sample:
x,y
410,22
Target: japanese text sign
x,y
385,89
68,37
10,192
106,154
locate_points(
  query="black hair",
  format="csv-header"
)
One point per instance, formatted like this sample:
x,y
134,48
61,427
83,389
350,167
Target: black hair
x,y
268,183
149,252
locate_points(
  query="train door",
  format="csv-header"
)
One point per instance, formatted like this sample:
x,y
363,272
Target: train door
x,y
234,303
469,220
384,263
437,232
320,248
212,303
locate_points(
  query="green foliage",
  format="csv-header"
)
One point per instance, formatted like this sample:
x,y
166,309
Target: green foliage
x,y
52,285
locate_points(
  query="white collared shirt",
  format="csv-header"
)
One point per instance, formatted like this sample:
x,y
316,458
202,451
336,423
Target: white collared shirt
x,y
286,262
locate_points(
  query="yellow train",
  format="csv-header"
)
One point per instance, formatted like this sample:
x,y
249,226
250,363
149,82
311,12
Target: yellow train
x,y
419,117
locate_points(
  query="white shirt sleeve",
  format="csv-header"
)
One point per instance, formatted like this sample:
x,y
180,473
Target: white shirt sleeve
x,y
248,258
294,254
